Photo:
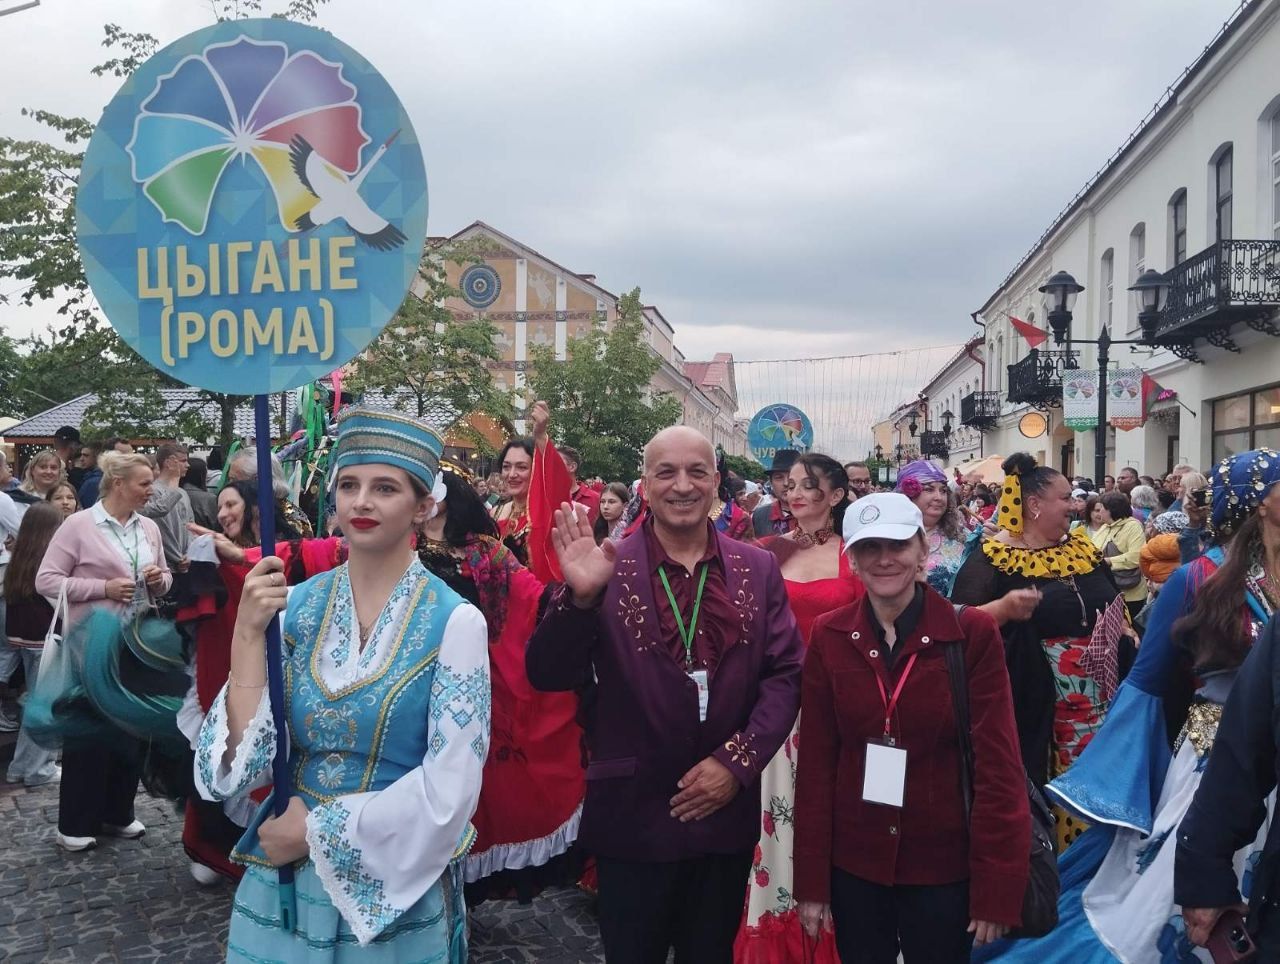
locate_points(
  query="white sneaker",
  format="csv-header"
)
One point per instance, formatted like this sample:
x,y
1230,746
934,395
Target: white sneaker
x,y
131,832
54,777
76,844
204,876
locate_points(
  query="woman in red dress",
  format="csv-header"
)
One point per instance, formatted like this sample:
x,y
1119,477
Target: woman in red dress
x,y
534,781
818,580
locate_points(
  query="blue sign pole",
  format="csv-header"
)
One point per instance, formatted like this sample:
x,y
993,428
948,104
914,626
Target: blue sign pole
x,y
282,783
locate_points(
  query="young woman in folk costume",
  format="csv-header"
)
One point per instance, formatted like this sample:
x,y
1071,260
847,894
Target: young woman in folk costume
x,y
816,572
1062,679
534,782
1117,899
387,696
211,829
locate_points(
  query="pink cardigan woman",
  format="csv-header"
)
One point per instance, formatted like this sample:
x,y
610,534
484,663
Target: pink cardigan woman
x,y
109,557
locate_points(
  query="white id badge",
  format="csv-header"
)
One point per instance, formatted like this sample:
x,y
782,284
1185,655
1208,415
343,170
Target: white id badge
x,y
699,677
885,775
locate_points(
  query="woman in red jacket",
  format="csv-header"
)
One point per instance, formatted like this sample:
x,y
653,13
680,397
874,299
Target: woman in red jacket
x,y
880,838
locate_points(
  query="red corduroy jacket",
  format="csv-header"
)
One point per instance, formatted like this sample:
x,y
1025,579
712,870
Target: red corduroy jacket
x,y
925,842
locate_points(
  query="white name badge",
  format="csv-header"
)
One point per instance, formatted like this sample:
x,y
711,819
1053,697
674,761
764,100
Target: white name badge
x,y
699,677
885,776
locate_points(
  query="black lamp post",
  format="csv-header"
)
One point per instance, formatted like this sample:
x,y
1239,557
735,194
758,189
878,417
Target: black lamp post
x,y
1060,295
947,416
879,453
912,425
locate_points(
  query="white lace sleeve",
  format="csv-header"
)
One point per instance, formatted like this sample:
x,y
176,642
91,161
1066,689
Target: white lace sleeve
x,y
251,765
377,853
190,716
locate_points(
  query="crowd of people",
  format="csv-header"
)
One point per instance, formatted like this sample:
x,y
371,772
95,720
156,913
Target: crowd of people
x,y
809,716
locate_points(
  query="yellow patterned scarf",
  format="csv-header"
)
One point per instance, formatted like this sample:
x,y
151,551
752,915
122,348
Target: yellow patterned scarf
x,y
1075,557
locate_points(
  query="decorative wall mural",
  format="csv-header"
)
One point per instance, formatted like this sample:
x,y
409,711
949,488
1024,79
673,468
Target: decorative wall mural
x,y
480,286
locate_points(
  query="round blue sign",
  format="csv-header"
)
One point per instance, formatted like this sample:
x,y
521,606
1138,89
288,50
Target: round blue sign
x,y
252,207
778,426
480,285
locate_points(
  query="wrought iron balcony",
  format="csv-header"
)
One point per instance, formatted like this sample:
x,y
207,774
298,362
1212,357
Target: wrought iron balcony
x,y
934,444
980,409
1227,282
1037,379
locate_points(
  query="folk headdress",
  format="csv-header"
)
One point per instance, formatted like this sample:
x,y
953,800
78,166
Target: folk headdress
x,y
368,436
1009,511
914,476
1239,483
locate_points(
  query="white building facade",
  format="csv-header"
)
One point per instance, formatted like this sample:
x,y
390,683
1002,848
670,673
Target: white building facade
x,y
1195,194
952,443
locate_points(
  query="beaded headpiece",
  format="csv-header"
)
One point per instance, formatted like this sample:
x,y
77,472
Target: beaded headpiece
x,y
1239,483
368,436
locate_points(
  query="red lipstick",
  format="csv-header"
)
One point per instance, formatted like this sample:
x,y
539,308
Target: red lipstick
x,y
362,523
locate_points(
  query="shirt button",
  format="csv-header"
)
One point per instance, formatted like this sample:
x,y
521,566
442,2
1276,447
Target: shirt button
x,y
874,653
924,640
893,831
857,636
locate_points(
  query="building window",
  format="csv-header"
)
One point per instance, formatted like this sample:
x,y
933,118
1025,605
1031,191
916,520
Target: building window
x,y
1275,176
1108,285
1222,194
1178,228
1247,421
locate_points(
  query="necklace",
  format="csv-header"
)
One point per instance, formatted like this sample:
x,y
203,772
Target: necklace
x,y
717,507
364,630
805,540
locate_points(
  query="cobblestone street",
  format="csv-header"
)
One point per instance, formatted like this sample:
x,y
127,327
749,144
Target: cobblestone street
x,y
135,900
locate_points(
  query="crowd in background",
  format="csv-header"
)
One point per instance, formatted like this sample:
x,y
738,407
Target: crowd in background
x,y
1049,588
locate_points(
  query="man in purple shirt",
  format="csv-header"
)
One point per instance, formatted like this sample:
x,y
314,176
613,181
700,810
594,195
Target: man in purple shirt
x,y
688,657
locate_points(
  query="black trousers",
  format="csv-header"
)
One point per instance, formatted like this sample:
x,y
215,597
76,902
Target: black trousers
x,y
98,785
692,905
874,922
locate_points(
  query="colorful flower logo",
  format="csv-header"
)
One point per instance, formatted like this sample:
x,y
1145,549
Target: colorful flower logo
x,y
293,113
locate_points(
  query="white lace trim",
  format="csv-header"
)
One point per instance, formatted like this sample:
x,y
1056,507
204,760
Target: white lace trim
x,y
252,756
529,853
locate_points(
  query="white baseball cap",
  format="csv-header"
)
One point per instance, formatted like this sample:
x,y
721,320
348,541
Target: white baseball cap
x,y
882,515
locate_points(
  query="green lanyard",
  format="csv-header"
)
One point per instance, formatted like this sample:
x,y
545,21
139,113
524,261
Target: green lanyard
x,y
686,635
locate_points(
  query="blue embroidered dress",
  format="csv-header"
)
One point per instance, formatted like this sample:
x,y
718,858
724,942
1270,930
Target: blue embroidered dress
x,y
387,749
1116,901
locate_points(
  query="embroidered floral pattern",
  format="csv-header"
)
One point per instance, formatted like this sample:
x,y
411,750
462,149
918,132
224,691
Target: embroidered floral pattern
x,y
341,862
252,757
740,750
463,698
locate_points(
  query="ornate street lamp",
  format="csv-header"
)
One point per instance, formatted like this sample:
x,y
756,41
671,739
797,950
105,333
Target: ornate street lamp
x,y
913,424
879,453
1059,299
1152,288
947,416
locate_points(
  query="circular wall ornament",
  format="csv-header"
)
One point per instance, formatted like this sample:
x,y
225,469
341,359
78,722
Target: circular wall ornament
x,y
1032,425
480,286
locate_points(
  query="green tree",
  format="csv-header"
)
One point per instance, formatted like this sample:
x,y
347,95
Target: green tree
x,y
599,395
440,365
744,467
38,180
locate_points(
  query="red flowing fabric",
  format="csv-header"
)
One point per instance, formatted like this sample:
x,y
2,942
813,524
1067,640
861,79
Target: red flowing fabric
x,y
534,779
548,489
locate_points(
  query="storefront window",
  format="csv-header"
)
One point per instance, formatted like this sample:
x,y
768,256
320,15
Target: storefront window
x,y
1247,421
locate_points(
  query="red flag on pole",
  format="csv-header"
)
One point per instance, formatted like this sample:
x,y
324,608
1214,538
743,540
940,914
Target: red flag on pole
x,y
1034,336
1152,391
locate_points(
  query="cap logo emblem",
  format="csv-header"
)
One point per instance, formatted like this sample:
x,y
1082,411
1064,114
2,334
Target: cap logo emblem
x,y
868,514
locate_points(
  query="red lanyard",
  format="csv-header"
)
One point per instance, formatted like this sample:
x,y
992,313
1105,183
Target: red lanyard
x,y
891,702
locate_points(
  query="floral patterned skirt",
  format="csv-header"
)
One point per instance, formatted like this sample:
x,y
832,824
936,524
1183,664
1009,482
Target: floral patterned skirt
x,y
770,931
1078,713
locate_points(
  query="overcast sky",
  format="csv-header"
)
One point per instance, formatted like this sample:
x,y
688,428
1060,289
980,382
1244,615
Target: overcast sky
x,y
783,179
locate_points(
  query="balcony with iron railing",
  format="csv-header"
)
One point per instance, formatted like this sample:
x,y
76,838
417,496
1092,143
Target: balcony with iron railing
x,y
980,409
934,444
1228,282
1037,379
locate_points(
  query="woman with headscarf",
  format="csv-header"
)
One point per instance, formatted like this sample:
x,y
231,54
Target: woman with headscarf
x,y
1062,677
387,689
1117,898
534,781
926,485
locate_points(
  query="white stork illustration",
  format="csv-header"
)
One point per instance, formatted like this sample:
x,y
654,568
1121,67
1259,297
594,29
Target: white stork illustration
x,y
339,197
